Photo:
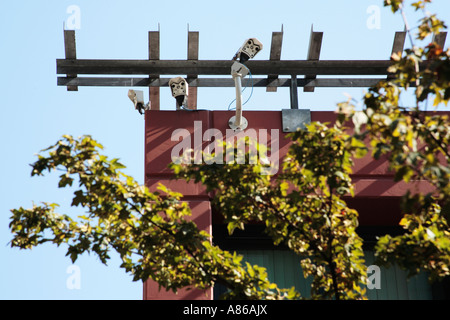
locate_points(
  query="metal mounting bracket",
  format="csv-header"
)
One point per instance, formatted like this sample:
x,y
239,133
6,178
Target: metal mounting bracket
x,y
293,119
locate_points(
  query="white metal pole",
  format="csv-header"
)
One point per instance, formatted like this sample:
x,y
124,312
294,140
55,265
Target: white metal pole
x,y
238,85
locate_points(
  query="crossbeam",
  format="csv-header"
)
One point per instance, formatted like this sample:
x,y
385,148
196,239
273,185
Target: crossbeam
x,y
216,82
221,67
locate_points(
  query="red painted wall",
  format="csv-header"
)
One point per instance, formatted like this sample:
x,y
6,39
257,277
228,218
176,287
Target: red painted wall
x,y
376,194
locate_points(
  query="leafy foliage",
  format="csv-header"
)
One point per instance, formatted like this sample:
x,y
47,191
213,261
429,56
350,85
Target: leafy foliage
x,y
301,208
151,233
416,140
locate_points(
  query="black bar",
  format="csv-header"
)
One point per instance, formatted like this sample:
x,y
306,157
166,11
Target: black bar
x,y
222,67
294,92
216,82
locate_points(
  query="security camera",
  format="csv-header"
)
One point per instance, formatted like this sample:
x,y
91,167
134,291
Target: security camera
x,y
179,88
137,97
248,50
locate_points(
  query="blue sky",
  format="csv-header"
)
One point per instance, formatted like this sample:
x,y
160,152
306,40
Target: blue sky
x,y
35,112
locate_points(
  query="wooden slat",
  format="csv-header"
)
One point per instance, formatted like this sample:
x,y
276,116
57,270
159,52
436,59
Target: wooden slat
x,y
294,92
397,46
222,67
275,55
70,49
399,42
315,45
193,44
440,38
216,82
153,55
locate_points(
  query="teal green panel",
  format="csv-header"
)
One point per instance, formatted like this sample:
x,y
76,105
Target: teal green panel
x,y
401,278
395,285
391,283
283,268
418,287
278,265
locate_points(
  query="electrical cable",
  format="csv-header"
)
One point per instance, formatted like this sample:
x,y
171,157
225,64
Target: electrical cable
x,y
229,109
187,109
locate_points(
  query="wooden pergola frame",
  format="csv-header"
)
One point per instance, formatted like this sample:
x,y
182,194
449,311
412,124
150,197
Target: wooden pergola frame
x,y
151,70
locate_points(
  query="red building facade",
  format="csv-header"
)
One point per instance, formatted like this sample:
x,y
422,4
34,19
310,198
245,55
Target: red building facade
x,y
376,197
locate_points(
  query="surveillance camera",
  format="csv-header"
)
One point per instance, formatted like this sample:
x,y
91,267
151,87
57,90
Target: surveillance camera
x,y
137,97
179,88
249,50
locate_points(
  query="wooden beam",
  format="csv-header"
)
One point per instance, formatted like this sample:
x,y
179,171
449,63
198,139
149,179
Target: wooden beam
x,y
294,92
315,45
397,46
222,67
192,55
275,55
153,55
70,49
218,82
399,42
440,38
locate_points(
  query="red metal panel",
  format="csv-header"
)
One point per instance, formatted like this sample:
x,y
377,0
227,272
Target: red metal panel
x,y
161,125
160,128
201,215
376,211
380,187
160,140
